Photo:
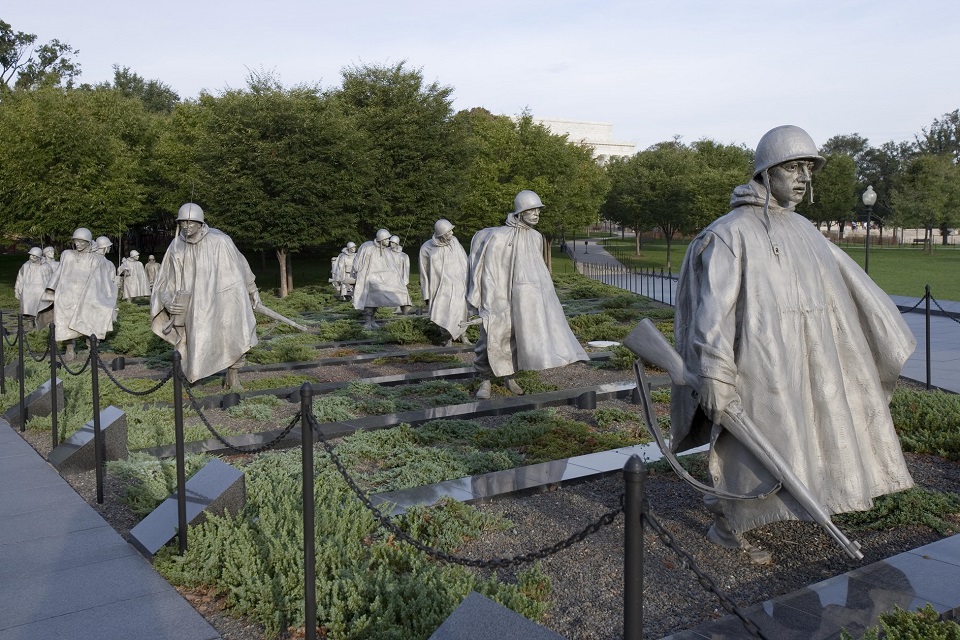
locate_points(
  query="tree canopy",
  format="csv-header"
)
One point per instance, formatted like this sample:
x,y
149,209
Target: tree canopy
x,y
26,66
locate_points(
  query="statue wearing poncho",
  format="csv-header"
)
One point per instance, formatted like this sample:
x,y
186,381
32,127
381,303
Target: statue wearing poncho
x,y
443,279
524,327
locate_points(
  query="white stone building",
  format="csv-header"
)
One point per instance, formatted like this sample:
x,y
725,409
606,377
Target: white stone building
x,y
597,135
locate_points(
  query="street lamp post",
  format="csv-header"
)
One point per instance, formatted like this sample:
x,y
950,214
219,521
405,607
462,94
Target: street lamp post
x,y
869,199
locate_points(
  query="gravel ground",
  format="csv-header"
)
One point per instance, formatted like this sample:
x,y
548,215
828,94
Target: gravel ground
x,y
587,578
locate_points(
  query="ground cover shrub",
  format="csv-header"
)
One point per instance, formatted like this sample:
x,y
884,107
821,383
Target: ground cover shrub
x,y
927,422
611,418
333,408
411,330
621,359
922,624
368,584
258,408
913,506
276,382
419,356
132,335
337,330
152,480
598,326
530,382
542,435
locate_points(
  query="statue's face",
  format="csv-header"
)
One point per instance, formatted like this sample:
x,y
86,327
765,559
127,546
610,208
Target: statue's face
x,y
531,216
80,245
447,237
48,253
351,249
34,258
788,182
190,228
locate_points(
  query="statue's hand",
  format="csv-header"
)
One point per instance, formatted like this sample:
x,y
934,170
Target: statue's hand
x,y
715,397
176,308
255,298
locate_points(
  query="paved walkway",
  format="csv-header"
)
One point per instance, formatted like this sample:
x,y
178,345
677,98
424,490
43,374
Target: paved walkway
x,y
65,574
596,262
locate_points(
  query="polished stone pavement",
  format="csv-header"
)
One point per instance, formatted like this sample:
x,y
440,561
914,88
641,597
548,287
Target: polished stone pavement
x,y
65,574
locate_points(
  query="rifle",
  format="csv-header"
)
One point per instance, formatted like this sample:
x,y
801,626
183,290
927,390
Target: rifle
x,y
650,345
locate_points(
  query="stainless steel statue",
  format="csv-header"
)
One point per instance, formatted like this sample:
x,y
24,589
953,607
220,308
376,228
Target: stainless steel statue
x,y
134,277
402,263
523,325
203,299
152,268
781,327
30,286
378,279
342,271
443,280
83,291
50,256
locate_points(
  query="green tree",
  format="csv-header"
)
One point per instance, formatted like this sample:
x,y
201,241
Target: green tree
x,y
928,194
942,136
25,66
835,191
409,137
507,155
156,96
675,187
71,158
278,169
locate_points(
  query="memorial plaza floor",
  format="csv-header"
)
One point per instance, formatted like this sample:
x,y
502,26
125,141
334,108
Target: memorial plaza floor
x,y
66,574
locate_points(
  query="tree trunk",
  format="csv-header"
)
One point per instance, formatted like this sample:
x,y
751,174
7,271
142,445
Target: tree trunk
x,y
282,259
548,252
289,272
639,241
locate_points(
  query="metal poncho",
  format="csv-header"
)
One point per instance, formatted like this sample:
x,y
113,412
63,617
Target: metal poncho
x,y
378,278
30,285
84,295
135,283
443,281
151,269
814,348
342,271
512,289
218,325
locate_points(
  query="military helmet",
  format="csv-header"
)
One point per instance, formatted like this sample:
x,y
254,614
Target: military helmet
x,y
442,226
134,254
150,257
83,234
525,201
783,144
395,239
49,250
382,234
103,242
35,251
190,211
351,245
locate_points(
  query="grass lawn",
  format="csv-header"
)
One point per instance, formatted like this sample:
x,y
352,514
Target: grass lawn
x,y
900,271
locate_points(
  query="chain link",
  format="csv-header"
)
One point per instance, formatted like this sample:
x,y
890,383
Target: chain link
x,y
914,307
5,333
33,355
133,392
63,363
258,449
945,312
705,581
495,563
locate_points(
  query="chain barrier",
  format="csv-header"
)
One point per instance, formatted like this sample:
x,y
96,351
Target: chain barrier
x,y
33,355
945,312
133,392
258,449
494,563
914,307
705,581
9,343
63,363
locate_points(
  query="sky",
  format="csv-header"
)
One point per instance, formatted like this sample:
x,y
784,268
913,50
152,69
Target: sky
x,y
728,70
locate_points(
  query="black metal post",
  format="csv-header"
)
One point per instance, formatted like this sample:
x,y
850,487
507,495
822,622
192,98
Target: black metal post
x,y
21,373
927,297
634,478
181,471
661,284
3,356
98,444
309,526
866,258
54,429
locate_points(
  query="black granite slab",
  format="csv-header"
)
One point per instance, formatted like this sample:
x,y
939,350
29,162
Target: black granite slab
x,y
480,618
77,454
37,403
